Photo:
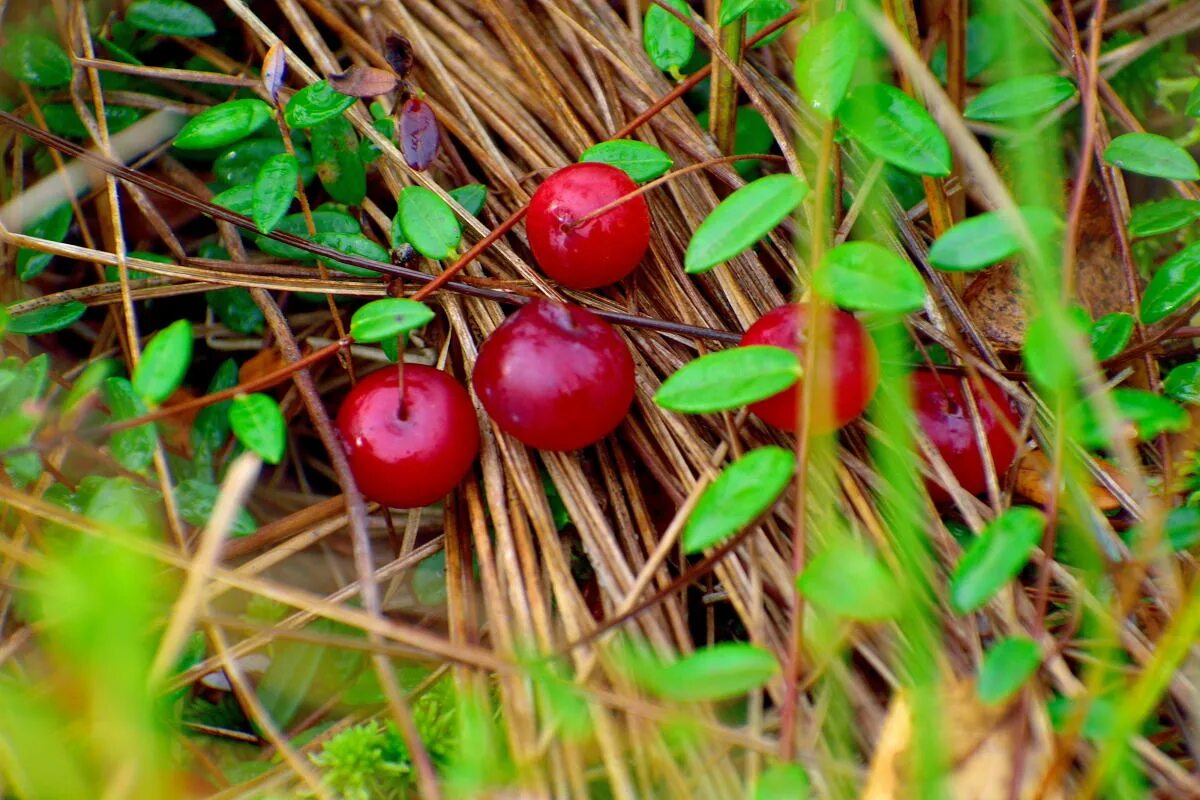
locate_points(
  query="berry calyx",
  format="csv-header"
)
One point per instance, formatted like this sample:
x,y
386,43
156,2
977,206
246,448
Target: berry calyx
x,y
410,455
555,376
600,251
941,409
846,377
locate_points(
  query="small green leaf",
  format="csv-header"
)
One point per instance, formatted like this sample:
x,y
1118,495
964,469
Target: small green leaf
x,y
719,672
196,501
240,162
1005,668
258,423
1045,339
669,43
132,447
273,190
289,678
751,135
728,379
1021,97
388,318
849,581
239,199
642,162
63,119
48,319
783,782
1181,528
314,104
428,223
743,491
996,557
471,197
1183,383
91,379
236,309
353,244
826,59
164,362
742,219
338,163
1163,216
732,10
295,224
35,59
1111,333
52,226
762,14
170,17
1151,154
988,239
1174,286
211,428
1150,414
223,124
1192,107
865,276
892,126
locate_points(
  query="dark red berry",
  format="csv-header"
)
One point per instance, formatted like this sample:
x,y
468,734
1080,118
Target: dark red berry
x,y
419,134
600,251
846,381
942,411
410,457
555,376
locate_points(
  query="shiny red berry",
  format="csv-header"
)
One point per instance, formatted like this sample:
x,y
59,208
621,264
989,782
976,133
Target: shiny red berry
x,y
410,457
600,251
847,378
555,376
942,411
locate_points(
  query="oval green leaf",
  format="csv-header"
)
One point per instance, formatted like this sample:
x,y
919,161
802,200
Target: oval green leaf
x,y
273,190
164,362
1005,668
223,124
170,17
1111,333
1021,97
258,424
352,244
388,318
52,226
295,224
826,59
864,276
1153,155
719,672
732,10
783,782
1148,413
729,379
132,447
338,163
892,126
642,162
196,500
428,223
314,104
471,197
48,319
35,59
236,309
240,162
989,238
849,581
63,119
996,557
1183,383
742,219
742,492
669,43
1163,216
1174,286
239,199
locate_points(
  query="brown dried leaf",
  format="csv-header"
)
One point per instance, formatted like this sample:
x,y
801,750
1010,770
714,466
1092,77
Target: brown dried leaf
x,y
266,362
359,81
1033,481
399,53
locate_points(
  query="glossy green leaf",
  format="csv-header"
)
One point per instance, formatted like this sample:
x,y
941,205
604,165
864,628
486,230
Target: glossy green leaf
x,y
63,119
295,224
471,197
642,162
1175,285
826,59
729,379
48,319
223,124
1148,413
88,382
1043,349
751,135
388,318
1163,216
764,13
35,59
669,43
132,447
849,581
864,276
241,161
739,495
338,163
239,199
1181,529
274,189
989,238
258,424
171,17
314,104
742,219
783,782
196,500
353,244
428,223
1183,383
1016,98
733,10
1111,333
892,126
211,428
1192,107
236,309
722,671
164,363
1006,666
984,46
52,226
1151,154
995,558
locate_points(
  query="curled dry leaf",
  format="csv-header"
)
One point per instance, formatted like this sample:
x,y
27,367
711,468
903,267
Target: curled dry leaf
x,y
360,81
419,135
399,53
1033,481
274,69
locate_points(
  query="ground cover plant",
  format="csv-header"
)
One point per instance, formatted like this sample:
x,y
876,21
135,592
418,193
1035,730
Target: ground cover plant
x,y
741,398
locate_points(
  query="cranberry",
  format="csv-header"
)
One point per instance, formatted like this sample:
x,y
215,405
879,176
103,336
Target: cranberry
x,y
555,376
600,251
412,456
942,411
847,379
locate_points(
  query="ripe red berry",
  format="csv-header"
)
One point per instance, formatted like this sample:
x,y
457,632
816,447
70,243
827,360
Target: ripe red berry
x,y
847,378
942,411
410,457
600,251
555,376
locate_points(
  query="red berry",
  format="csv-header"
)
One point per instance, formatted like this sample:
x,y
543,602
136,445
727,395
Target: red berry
x,y
414,457
555,376
600,251
847,380
941,409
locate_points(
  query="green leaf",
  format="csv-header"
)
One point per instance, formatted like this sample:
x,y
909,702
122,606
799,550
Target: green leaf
x,y
719,672
988,239
783,782
742,492
1021,97
1192,107
91,379
1181,528
892,126
751,135
642,162
211,428
314,104
1149,414
164,362
1163,216
295,224
223,124
996,557
849,581
762,14
239,199
1174,286
1045,339
63,119
258,423
388,318
471,197
196,500
1005,668
742,219
732,10
170,17
428,223
241,161
1183,383
865,276
338,163
132,447
48,319
826,59
35,59
289,678
1111,333
52,226
353,244
236,309
669,43
274,189
1151,154
728,379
